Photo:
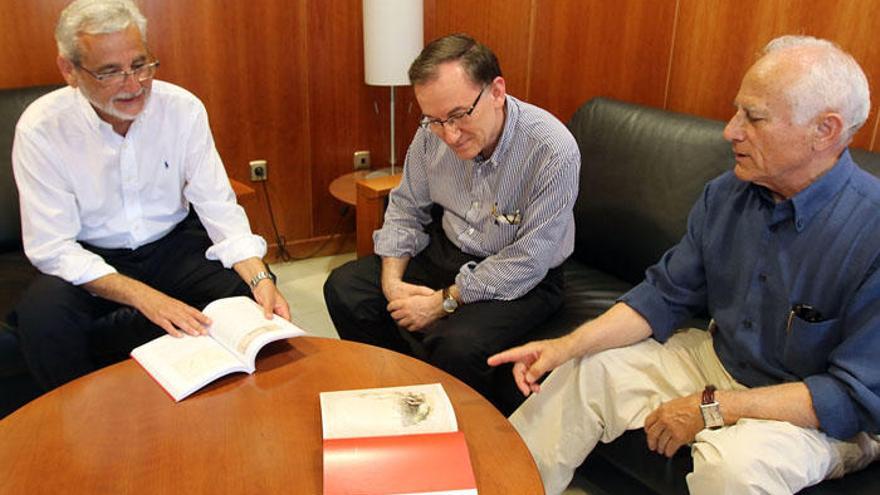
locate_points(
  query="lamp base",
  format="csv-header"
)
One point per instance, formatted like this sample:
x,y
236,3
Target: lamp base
x,y
383,172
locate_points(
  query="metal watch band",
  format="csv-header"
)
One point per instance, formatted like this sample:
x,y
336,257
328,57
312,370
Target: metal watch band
x,y
259,277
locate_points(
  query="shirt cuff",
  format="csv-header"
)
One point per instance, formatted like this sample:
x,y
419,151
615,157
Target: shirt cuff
x,y
470,288
231,251
646,300
833,405
397,242
95,269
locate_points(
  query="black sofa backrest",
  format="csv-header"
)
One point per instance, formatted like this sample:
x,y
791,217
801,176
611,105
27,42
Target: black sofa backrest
x,y
12,104
641,171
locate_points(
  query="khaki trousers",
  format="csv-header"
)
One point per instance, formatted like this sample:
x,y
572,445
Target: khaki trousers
x,y
600,397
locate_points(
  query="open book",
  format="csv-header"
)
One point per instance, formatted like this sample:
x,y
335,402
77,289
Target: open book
x,y
238,331
400,440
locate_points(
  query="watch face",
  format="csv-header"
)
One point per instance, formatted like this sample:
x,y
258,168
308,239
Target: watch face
x,y
449,305
712,415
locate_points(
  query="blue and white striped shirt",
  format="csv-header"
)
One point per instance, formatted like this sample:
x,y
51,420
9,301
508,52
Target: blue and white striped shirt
x,y
514,209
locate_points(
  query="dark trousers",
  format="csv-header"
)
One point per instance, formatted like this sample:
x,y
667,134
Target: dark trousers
x,y
58,322
459,343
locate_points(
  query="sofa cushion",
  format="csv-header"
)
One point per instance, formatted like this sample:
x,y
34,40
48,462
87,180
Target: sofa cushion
x,y
588,293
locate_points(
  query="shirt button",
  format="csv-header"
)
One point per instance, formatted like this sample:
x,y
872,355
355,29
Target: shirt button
x,y
799,223
762,277
747,323
475,204
470,231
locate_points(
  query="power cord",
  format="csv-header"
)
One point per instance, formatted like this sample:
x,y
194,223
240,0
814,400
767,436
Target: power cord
x,y
283,254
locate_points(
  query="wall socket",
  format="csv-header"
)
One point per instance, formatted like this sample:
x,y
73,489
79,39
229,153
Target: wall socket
x,y
259,170
361,160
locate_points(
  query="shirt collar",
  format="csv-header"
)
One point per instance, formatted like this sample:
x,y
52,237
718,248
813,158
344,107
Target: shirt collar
x,y
807,203
811,200
511,116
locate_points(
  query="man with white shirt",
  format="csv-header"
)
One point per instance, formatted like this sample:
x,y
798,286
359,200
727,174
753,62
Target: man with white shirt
x,y
107,169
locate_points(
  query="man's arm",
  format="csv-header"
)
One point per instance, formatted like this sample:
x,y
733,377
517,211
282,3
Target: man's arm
x,y
170,314
620,326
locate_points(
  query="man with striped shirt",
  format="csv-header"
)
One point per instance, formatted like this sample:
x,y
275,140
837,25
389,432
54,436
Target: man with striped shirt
x,y
500,177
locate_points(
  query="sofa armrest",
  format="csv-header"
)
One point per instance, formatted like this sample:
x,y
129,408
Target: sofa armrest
x,y
371,194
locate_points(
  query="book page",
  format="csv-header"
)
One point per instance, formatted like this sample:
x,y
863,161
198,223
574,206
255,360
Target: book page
x,y
387,411
185,364
239,325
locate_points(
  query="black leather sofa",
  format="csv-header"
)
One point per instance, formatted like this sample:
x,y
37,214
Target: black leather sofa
x,y
112,335
641,171
16,385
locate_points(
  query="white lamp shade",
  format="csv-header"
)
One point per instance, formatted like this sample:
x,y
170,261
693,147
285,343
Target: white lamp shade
x,y
393,38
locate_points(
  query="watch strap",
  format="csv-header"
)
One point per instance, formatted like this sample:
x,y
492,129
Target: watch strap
x,y
259,277
709,395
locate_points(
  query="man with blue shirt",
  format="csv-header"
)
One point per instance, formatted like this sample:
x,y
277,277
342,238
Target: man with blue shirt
x,y
477,279
126,208
782,391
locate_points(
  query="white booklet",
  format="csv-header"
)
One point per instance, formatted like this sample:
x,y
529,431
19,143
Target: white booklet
x,y
387,411
237,333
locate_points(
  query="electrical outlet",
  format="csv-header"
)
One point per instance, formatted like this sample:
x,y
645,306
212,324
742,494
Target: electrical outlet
x,y
362,160
259,170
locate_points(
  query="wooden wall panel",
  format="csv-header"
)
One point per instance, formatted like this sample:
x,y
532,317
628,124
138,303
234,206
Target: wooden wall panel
x,y
283,79
718,40
252,77
27,42
502,25
591,48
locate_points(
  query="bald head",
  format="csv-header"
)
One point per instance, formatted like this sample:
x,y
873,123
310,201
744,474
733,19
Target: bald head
x,y
816,76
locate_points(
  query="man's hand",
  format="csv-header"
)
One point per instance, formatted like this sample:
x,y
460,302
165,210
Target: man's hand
x,y
533,360
417,311
673,424
270,298
394,290
172,315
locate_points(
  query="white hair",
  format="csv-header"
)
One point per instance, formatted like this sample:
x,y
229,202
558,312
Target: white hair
x,y
833,80
95,17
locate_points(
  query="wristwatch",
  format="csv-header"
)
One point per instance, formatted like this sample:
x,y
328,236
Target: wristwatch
x,y
449,302
710,409
261,276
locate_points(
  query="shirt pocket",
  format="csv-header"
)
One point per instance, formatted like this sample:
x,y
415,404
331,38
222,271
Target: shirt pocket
x,y
808,345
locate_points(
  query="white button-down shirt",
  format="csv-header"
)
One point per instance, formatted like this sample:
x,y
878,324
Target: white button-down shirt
x,y
78,180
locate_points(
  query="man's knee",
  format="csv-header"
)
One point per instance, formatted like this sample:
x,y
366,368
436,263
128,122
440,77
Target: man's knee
x,y
457,352
351,288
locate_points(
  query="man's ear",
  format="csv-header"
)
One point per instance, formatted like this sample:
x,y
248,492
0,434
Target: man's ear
x,y
828,129
498,90
66,67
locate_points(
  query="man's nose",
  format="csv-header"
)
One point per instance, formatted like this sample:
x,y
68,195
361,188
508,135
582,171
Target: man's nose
x,y
131,84
733,130
450,133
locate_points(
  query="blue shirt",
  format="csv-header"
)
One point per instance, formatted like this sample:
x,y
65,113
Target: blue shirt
x,y
514,208
749,260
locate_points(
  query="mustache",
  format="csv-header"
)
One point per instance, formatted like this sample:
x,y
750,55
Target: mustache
x,y
127,96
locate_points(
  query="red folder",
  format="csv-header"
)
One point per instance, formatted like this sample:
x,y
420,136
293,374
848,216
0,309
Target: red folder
x,y
428,463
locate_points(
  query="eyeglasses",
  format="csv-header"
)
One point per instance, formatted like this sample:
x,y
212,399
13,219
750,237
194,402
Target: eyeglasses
x,y
452,120
140,73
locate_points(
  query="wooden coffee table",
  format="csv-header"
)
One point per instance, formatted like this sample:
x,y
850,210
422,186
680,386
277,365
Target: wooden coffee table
x,y
116,431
